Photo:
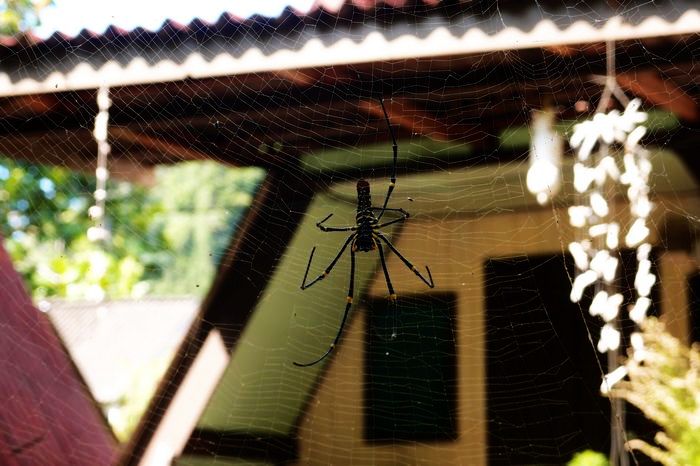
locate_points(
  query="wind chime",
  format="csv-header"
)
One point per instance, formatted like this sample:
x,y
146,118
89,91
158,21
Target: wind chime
x,y
594,255
596,173
99,232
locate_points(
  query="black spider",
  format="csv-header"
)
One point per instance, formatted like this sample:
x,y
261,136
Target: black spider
x,y
365,237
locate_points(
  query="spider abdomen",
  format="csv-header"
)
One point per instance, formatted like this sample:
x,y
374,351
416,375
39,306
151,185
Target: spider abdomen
x,y
365,230
365,219
365,244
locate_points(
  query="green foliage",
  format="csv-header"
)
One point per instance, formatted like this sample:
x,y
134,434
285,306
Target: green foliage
x,y
18,15
588,458
166,240
666,388
201,203
45,213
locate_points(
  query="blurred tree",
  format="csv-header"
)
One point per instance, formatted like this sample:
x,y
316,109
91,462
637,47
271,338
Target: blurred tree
x,y
201,204
589,458
167,241
45,222
20,15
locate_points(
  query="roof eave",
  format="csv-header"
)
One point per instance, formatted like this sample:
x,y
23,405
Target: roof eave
x,y
136,64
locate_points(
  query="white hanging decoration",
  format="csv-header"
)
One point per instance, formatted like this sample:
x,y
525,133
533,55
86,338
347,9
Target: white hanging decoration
x,y
609,339
583,177
579,215
613,235
578,251
598,230
99,232
546,147
612,378
639,311
639,350
637,233
581,282
606,306
643,251
599,204
597,262
644,279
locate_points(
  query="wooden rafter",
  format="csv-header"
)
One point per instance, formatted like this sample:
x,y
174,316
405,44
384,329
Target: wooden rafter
x,y
155,144
329,75
661,92
30,105
568,50
403,113
75,150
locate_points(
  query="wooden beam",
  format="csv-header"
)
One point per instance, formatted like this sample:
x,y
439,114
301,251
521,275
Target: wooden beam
x,y
403,113
29,105
595,48
650,86
326,75
128,137
74,150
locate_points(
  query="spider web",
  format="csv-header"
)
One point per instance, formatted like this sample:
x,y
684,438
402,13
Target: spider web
x,y
494,365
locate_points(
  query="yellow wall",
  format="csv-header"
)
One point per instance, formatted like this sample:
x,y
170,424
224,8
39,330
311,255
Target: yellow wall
x,y
330,431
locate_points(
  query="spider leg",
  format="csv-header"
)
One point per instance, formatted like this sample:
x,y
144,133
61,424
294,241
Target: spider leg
x,y
392,294
390,287
390,209
322,227
408,264
394,148
404,216
351,289
325,273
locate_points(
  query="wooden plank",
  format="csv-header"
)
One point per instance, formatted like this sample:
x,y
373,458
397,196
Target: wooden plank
x,y
74,150
403,112
130,137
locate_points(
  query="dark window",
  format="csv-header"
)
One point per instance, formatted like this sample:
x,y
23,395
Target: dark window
x,y
543,375
410,393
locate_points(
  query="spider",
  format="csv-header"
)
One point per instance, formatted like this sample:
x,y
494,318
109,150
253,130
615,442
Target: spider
x,y
365,237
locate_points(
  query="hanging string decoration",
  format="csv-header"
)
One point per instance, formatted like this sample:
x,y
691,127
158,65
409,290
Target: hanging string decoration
x,y
594,255
99,231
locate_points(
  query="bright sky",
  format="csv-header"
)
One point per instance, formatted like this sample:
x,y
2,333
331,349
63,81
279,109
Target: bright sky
x,y
70,16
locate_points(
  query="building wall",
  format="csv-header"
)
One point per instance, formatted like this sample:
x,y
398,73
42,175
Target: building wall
x,y
330,431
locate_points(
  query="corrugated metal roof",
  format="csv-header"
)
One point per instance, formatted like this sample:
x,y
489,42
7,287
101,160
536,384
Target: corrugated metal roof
x,y
193,20
292,43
